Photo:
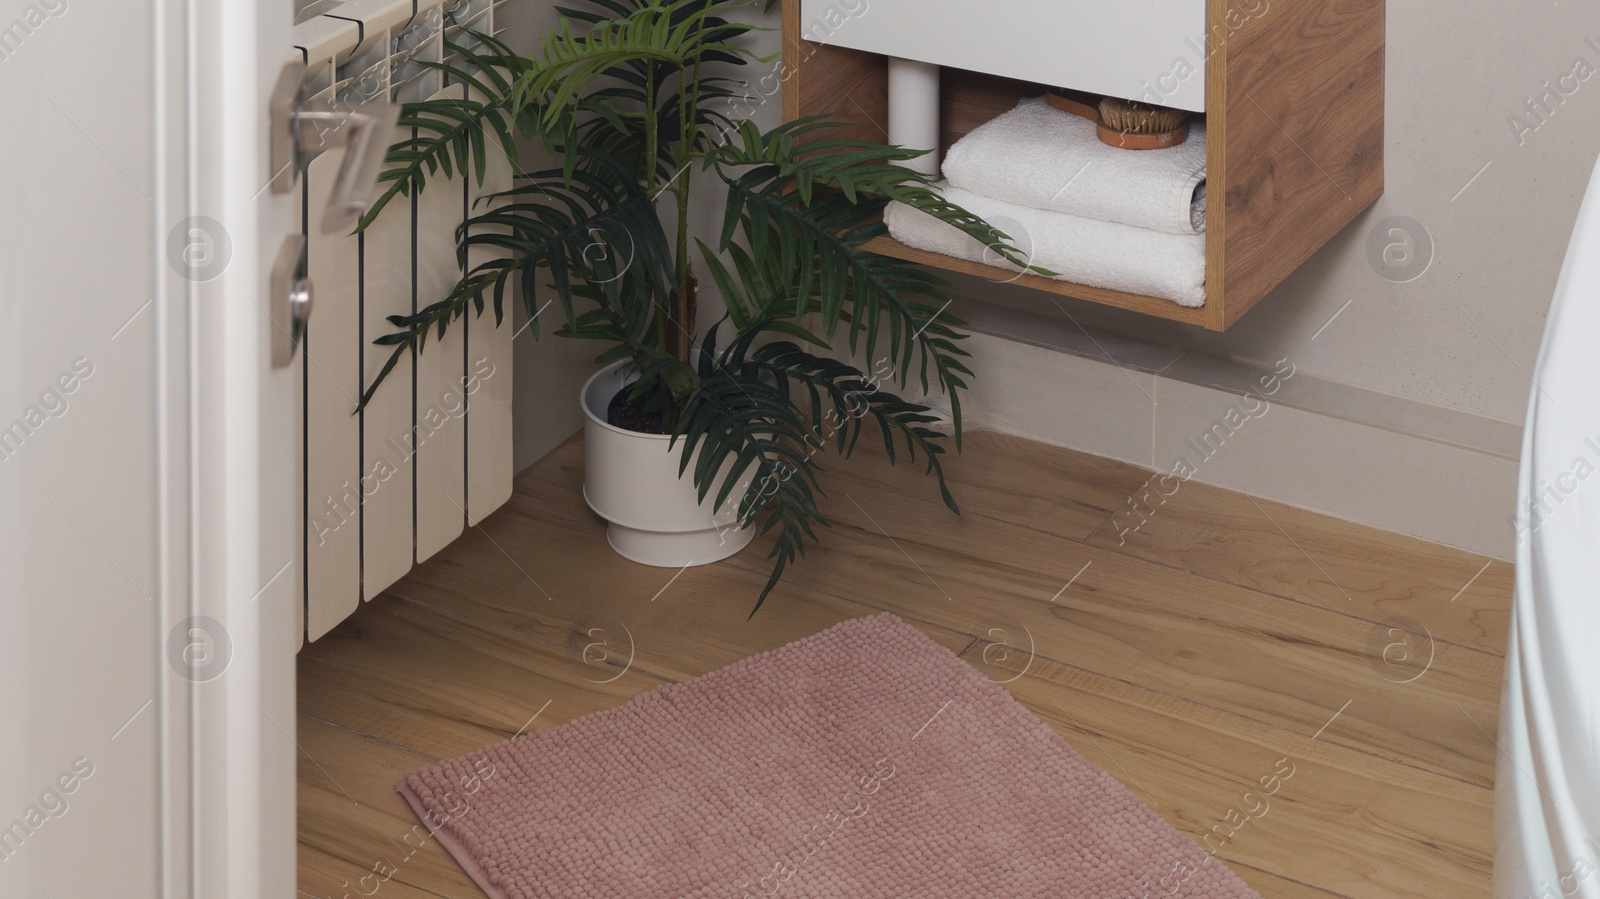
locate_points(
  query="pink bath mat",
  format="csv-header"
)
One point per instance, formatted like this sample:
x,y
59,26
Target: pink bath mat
x,y
865,762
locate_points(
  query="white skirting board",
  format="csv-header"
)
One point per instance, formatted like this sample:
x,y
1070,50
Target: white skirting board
x,y
1264,447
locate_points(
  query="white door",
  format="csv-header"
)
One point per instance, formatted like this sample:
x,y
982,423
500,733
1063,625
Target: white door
x,y
147,509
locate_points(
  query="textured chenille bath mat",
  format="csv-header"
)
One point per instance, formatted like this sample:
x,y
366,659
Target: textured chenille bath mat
x,y
865,762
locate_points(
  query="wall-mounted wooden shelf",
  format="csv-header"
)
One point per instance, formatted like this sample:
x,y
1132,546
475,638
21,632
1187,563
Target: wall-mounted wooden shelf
x,y
1294,121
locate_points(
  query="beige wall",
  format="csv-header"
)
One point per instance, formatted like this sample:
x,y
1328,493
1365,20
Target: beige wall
x,y
548,370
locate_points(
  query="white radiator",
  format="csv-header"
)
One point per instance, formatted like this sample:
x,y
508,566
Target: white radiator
x,y
431,454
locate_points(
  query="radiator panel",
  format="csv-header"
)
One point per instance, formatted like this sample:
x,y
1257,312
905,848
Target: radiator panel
x,y
394,484
489,349
441,369
387,454
333,381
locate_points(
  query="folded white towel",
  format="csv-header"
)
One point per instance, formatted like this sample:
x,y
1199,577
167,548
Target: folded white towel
x,y
1039,156
1077,249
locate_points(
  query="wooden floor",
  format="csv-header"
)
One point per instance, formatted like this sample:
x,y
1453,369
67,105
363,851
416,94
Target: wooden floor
x,y
1187,657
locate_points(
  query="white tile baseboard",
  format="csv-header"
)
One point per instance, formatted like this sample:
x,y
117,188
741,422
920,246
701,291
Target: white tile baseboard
x,y
1384,461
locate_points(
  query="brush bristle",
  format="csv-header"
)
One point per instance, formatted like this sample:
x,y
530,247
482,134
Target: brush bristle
x,y
1131,117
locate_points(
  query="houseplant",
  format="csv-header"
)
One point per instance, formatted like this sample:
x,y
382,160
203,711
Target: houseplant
x,y
637,100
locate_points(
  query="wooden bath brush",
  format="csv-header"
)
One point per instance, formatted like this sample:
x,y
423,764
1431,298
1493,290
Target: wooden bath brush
x,y
1126,123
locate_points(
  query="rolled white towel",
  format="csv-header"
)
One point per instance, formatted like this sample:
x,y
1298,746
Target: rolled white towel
x,y
1039,156
1080,250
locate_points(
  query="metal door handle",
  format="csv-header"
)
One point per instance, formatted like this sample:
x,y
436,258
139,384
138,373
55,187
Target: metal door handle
x,y
364,132
298,133
291,298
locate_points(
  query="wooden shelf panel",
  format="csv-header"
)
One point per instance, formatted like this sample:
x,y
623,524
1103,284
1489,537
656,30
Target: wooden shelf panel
x,y
1296,128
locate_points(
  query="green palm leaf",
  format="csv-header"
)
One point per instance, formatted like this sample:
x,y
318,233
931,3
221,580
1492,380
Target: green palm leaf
x,y
624,93
450,134
589,238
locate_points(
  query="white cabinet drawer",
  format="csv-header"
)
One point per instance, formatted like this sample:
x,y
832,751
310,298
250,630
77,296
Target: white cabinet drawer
x,y
1152,51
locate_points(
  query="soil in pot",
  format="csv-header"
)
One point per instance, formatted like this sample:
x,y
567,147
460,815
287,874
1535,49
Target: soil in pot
x,y
633,415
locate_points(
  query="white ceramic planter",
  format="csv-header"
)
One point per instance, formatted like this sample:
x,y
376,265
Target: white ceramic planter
x,y
631,480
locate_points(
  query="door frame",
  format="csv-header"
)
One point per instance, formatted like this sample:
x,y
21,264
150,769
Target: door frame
x,y
229,458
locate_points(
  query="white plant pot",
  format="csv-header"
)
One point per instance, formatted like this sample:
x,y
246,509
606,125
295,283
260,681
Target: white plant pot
x,y
653,516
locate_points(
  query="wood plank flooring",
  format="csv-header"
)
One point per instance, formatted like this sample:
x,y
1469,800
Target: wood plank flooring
x,y
1223,639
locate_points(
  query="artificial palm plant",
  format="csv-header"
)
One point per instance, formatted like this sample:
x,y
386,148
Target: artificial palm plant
x,y
637,100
